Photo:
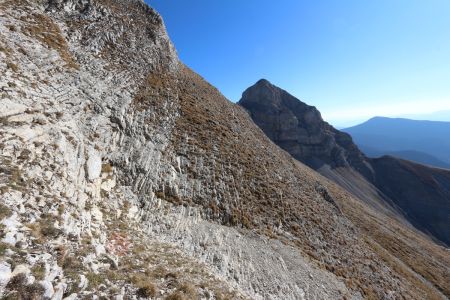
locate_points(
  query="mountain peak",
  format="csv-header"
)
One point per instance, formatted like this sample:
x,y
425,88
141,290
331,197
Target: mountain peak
x,y
272,97
264,84
262,81
299,128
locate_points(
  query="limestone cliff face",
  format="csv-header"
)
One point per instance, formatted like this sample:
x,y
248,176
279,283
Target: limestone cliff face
x,y
125,174
300,130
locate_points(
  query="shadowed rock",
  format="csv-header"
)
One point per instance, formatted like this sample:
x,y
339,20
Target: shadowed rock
x,y
417,193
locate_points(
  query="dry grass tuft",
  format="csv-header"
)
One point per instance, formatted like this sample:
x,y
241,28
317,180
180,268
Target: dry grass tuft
x,y
42,28
5,212
44,230
146,288
94,279
12,66
17,288
107,168
38,271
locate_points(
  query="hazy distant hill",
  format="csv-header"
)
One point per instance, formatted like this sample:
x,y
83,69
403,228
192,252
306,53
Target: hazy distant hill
x,y
416,156
426,142
442,115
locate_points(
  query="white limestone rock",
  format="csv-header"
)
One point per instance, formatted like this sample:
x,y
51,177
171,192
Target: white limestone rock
x,y
93,164
5,273
9,108
21,269
48,289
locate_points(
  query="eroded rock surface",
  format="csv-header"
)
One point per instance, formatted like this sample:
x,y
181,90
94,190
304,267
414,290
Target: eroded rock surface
x,y
300,130
126,175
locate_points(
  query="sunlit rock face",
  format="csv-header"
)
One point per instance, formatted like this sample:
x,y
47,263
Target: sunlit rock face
x,y
125,174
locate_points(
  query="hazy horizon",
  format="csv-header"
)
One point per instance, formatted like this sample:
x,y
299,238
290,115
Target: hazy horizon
x,y
440,115
352,60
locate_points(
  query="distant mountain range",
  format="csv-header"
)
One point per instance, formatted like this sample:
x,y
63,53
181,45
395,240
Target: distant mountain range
x,y
416,156
442,115
425,142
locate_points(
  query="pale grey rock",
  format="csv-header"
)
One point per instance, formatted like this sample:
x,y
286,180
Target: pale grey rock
x,y
244,258
10,108
83,282
21,269
100,249
5,273
54,271
93,164
11,228
48,287
85,117
9,238
59,291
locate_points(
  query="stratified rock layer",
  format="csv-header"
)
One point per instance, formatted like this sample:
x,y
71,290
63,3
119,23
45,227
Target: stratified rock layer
x,y
124,174
300,130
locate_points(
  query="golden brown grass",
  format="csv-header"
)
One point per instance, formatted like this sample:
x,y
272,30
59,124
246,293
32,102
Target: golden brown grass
x,y
5,212
255,198
405,250
42,28
12,66
146,288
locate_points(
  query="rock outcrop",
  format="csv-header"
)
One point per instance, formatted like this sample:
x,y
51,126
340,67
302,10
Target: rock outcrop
x,y
125,175
300,130
418,193
402,190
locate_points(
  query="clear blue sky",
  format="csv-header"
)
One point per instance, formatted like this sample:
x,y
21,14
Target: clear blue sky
x,y
353,59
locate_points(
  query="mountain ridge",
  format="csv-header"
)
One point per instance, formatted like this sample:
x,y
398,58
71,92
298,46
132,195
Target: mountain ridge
x,y
383,195
125,174
411,155
400,134
281,116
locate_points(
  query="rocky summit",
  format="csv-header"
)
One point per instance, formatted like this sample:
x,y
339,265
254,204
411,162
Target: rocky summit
x,y
300,130
398,189
124,175
417,193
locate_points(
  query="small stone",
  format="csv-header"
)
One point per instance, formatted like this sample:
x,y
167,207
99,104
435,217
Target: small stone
x,y
48,175
9,238
5,273
72,296
84,282
59,293
100,249
21,269
48,287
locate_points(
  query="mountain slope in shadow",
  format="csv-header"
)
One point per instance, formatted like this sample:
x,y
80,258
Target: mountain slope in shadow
x,y
417,193
411,155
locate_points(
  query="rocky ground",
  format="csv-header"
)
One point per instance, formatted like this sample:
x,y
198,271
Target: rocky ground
x,y
123,177
68,229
